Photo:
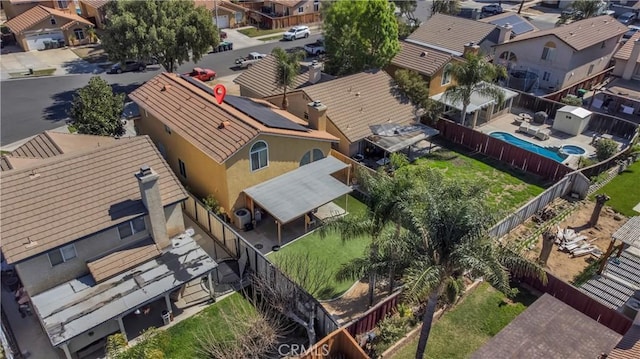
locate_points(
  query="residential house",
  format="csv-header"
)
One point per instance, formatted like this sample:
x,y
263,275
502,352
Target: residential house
x,y
13,8
354,104
43,27
229,14
221,149
94,230
292,7
259,81
94,11
276,14
563,56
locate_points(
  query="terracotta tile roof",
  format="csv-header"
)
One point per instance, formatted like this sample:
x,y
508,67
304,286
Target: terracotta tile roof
x,y
41,146
411,57
96,4
4,164
624,53
629,345
61,199
37,14
232,6
358,101
451,32
581,34
198,118
122,260
261,78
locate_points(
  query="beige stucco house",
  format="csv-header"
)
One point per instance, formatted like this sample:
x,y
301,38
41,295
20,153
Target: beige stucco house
x,y
41,27
94,11
565,55
94,229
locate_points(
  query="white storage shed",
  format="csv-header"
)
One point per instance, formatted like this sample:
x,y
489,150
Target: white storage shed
x,y
571,119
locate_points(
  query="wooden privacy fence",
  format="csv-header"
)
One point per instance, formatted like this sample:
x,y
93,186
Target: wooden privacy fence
x,y
573,297
373,316
249,256
505,152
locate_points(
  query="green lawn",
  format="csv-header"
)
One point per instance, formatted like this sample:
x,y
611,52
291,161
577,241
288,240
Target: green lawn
x,y
623,190
508,189
182,341
463,330
253,32
331,249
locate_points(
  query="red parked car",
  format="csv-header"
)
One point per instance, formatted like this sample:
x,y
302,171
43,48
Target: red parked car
x,y
202,74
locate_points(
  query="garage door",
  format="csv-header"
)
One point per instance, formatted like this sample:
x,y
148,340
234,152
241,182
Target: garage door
x,y
36,42
223,21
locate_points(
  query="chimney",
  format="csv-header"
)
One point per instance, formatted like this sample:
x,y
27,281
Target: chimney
x,y
315,72
317,115
150,193
505,33
630,66
471,48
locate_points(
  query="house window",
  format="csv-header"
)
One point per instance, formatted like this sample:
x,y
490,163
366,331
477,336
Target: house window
x,y
311,156
53,21
61,255
259,156
446,75
549,49
603,45
306,115
590,69
63,4
167,129
301,9
132,227
183,169
162,150
316,5
79,34
546,76
238,17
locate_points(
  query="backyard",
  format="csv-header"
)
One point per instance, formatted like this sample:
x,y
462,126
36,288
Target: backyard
x,y
508,192
623,199
473,321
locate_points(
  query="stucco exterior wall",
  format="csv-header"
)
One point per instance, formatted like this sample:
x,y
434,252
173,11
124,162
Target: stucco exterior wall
x,y
101,331
618,70
32,271
244,91
175,220
298,102
285,154
89,11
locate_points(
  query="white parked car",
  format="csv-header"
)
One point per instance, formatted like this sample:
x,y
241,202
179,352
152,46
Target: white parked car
x,y
296,32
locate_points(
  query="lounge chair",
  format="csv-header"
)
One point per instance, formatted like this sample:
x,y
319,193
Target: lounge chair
x,y
542,135
523,128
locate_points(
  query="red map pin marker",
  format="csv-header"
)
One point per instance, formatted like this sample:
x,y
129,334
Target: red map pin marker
x,y
219,91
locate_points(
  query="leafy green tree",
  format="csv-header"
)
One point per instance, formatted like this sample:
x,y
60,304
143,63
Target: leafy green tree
x,y
288,68
605,148
360,35
588,8
412,85
449,7
475,75
97,110
172,31
407,8
453,227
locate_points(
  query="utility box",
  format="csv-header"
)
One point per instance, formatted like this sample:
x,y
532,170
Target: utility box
x,y
571,120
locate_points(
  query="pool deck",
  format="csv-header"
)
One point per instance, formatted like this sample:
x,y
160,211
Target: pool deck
x,y
506,123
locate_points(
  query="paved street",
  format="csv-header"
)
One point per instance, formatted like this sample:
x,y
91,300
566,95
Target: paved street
x,y
30,106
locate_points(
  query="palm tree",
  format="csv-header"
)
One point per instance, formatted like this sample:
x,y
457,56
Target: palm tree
x,y
453,227
475,75
287,69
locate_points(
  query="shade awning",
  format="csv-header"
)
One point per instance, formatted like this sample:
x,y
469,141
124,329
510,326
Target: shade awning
x,y
629,233
300,191
79,305
477,101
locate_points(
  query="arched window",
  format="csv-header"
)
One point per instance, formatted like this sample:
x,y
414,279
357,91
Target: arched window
x,y
259,155
446,75
508,59
549,49
311,156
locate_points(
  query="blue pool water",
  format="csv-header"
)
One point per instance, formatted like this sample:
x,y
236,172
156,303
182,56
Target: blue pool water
x,y
509,138
572,150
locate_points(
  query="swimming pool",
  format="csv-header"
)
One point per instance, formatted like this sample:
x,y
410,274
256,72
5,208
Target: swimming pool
x,y
572,150
509,138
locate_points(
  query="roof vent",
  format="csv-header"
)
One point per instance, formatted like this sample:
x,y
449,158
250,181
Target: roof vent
x,y
166,87
423,54
358,94
224,124
317,103
145,170
30,243
314,62
34,174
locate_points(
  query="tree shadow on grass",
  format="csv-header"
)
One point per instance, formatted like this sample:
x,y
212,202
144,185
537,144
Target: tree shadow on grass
x,y
58,110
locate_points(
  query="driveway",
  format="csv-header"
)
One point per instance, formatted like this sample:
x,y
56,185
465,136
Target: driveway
x,y
64,61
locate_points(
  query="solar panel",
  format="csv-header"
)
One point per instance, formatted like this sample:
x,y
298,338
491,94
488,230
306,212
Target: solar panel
x,y
199,84
520,26
263,113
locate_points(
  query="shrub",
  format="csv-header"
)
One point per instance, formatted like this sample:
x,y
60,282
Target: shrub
x,y
212,204
572,101
585,162
605,148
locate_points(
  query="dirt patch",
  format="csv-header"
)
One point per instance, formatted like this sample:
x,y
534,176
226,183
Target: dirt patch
x,y
561,264
353,303
91,53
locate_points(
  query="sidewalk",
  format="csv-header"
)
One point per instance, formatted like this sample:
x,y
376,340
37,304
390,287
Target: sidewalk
x,y
241,41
